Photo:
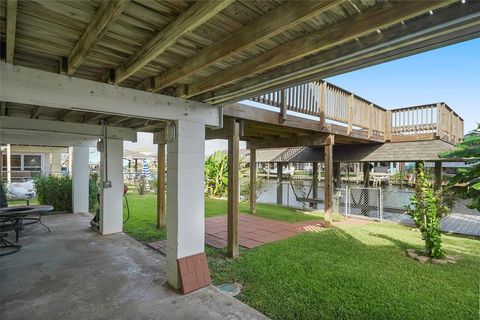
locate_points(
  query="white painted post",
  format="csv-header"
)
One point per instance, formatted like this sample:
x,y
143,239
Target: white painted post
x,y
111,199
80,176
9,163
70,163
185,195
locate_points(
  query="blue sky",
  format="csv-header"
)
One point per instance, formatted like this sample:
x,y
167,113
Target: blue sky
x,y
450,74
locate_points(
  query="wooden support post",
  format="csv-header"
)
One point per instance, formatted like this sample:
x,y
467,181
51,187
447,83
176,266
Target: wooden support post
x,y
233,190
329,181
279,182
438,175
350,114
337,175
366,174
161,186
388,125
321,102
370,120
439,120
253,181
315,176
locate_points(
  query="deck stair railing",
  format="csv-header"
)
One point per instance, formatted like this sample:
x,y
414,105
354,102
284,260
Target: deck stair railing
x,y
329,102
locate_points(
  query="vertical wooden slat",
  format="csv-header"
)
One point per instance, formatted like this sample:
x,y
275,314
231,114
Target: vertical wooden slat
x,y
253,181
161,186
233,190
283,107
370,120
321,103
350,114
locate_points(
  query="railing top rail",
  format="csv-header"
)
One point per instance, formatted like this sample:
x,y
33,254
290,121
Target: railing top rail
x,y
427,105
413,107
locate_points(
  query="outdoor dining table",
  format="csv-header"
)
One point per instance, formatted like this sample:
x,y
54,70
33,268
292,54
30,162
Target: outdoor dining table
x,y
18,213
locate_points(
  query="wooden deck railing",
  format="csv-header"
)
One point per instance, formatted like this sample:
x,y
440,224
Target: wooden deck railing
x,y
329,102
437,120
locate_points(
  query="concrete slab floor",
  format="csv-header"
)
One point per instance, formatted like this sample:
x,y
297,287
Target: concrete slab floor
x,y
74,273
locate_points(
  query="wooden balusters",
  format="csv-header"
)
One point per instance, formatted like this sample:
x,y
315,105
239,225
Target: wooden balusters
x,y
350,114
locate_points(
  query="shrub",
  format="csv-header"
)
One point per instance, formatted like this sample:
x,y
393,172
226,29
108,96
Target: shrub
x,y
216,175
55,191
427,209
93,190
261,185
468,149
141,185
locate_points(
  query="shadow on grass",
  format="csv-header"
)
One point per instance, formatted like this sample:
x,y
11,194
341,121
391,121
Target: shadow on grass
x,y
333,274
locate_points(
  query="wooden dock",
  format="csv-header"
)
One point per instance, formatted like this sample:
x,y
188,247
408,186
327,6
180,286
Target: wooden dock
x,y
462,223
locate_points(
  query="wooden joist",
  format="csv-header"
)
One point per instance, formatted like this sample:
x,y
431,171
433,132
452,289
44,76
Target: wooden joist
x,y
274,22
196,15
11,29
106,14
361,24
402,40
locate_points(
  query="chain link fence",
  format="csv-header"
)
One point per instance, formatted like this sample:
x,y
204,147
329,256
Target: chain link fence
x,y
374,203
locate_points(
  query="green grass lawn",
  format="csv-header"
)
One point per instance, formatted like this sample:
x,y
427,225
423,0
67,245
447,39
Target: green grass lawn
x,y
349,272
354,272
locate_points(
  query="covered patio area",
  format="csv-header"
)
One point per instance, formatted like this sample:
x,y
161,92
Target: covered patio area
x,y
76,273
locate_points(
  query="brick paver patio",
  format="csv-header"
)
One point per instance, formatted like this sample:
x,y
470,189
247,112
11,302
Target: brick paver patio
x,y
254,231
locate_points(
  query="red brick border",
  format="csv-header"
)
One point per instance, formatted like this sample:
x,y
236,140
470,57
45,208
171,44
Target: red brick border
x,y
194,273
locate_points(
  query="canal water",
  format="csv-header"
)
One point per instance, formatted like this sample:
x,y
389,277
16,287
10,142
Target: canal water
x,y
361,200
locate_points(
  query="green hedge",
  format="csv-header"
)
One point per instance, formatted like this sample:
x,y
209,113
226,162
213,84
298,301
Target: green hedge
x,y
57,191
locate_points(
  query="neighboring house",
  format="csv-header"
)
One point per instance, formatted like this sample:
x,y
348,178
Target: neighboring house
x,y
25,161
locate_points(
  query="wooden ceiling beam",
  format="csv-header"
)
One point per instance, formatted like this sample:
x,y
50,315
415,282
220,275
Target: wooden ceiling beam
x,y
196,15
313,140
274,22
106,14
361,24
11,29
425,34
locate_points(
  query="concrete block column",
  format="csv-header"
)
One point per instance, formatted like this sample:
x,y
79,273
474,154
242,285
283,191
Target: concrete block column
x,y
111,199
80,176
185,195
